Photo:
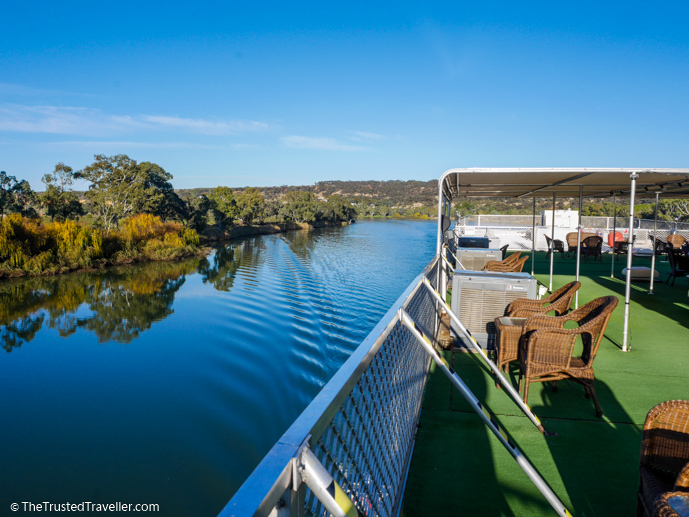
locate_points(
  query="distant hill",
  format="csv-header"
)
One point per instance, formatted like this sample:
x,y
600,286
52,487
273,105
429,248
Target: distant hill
x,y
418,198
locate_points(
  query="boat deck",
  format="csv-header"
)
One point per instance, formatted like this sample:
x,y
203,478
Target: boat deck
x,y
460,468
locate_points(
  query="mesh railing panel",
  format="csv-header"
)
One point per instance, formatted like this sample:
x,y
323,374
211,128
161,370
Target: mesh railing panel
x,y
367,445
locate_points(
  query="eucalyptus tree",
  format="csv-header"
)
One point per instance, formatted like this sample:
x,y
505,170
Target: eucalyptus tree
x,y
16,196
250,204
121,187
299,206
58,199
223,206
196,211
159,197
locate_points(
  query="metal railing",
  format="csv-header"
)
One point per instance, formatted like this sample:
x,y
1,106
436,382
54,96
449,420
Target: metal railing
x,y
519,237
361,426
601,222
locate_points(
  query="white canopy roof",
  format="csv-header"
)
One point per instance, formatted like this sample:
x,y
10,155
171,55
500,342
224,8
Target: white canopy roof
x,y
565,182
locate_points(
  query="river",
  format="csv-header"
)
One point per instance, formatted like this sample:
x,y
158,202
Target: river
x,y
167,383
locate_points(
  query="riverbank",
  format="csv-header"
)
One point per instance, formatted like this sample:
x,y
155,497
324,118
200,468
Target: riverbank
x,y
29,247
236,232
32,249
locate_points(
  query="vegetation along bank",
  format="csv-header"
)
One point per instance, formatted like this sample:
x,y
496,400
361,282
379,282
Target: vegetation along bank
x,y
131,213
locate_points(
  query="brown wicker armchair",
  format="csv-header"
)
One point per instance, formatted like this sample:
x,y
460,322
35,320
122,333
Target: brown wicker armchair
x,y
664,454
504,262
677,264
664,506
509,328
560,302
546,347
557,246
507,265
592,246
676,240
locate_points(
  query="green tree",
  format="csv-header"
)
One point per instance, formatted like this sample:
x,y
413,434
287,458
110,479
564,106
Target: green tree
x,y
196,211
7,185
16,196
250,205
58,199
121,187
114,189
299,206
337,209
159,197
223,206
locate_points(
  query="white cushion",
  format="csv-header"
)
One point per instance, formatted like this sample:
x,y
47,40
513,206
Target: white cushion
x,y
641,273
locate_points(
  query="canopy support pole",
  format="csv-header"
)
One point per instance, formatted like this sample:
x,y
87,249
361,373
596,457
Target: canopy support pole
x,y
655,240
552,246
533,238
576,295
614,232
628,284
441,201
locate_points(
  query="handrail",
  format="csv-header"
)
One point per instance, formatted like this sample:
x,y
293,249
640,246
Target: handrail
x,y
339,409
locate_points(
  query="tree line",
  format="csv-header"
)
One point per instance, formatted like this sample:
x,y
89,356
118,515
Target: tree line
x,y
120,187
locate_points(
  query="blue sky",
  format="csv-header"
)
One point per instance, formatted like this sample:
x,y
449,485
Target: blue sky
x,y
259,94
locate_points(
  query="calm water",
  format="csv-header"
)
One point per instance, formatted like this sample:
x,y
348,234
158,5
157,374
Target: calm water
x,y
167,383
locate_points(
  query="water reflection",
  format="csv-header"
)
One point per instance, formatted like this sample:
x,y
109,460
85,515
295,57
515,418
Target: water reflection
x,y
220,270
116,305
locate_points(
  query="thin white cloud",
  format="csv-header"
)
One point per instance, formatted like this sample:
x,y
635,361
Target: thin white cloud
x,y
207,127
125,144
364,135
95,123
319,143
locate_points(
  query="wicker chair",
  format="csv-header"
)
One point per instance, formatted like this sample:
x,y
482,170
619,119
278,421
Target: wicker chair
x,y
558,246
592,246
676,269
676,240
560,302
507,265
663,507
509,328
571,242
664,454
509,261
546,347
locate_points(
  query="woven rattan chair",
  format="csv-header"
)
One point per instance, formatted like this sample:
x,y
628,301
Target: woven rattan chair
x,y
663,505
500,265
676,240
592,246
676,269
558,246
546,347
572,243
664,453
508,331
560,302
506,266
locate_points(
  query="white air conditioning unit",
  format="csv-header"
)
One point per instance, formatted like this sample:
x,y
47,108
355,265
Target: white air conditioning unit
x,y
474,259
478,297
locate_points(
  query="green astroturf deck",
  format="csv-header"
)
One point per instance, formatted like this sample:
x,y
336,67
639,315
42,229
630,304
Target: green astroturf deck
x,y
460,468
